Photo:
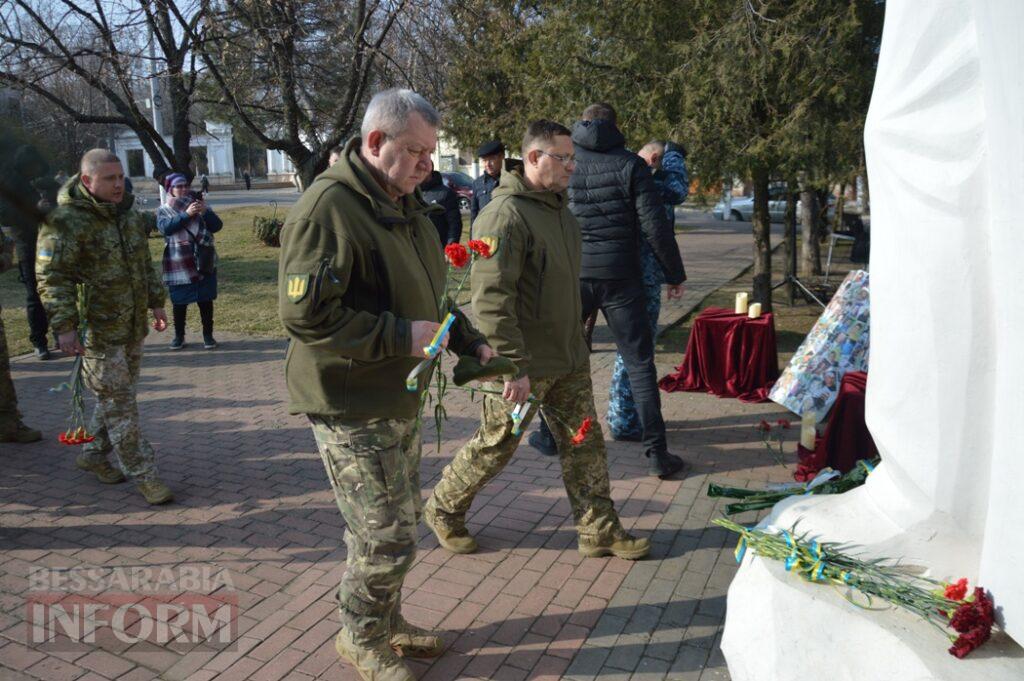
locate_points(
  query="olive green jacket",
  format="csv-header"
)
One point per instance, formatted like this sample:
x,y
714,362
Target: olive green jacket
x,y
103,246
356,269
526,297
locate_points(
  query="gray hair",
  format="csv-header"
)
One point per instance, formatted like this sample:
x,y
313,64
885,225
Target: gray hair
x,y
389,112
94,158
656,146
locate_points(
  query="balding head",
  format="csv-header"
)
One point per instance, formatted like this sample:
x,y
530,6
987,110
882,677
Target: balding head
x,y
652,153
102,175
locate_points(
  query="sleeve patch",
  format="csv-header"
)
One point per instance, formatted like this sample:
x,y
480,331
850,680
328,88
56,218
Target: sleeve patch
x,y
298,286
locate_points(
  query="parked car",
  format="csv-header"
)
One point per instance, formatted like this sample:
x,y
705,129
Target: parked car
x,y
742,207
461,184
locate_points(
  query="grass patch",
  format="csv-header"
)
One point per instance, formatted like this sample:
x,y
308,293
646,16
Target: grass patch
x,y
246,275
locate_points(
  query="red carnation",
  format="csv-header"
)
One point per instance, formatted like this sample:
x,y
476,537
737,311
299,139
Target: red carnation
x,y
764,426
973,621
581,433
784,423
481,248
957,590
457,255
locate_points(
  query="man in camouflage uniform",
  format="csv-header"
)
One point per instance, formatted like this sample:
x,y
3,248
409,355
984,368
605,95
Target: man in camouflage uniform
x,y
527,302
360,277
94,240
11,427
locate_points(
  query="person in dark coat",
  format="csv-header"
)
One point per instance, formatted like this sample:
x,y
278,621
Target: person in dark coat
x,y
188,225
492,155
449,221
27,179
618,205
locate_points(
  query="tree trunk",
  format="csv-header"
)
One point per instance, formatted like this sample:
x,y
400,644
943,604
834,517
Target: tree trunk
x,y
790,241
810,248
762,241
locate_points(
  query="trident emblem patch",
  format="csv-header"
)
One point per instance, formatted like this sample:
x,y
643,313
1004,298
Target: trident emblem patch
x,y
298,286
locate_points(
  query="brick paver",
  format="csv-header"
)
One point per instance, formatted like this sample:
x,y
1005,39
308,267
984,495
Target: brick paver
x,y
252,499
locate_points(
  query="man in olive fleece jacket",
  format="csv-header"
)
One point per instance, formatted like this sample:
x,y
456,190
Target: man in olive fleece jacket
x,y
526,300
360,279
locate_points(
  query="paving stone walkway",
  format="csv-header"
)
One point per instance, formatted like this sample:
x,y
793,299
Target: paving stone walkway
x,y
252,500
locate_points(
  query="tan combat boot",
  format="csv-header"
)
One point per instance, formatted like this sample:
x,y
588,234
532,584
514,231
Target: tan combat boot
x,y
155,491
456,540
20,434
408,640
104,472
374,663
620,544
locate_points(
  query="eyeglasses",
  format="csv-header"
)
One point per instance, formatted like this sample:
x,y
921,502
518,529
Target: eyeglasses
x,y
566,160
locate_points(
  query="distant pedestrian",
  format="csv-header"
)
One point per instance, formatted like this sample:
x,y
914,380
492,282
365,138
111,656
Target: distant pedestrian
x,y
204,183
190,260
667,162
247,179
448,220
492,156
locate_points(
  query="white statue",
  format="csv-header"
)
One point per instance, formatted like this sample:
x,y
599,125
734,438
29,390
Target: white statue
x,y
945,398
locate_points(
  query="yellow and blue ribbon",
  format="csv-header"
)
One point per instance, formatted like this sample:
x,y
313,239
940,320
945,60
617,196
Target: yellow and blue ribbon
x,y
434,348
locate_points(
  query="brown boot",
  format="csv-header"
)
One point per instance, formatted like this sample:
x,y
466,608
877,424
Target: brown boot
x,y
620,544
155,491
408,640
374,663
21,434
104,472
455,539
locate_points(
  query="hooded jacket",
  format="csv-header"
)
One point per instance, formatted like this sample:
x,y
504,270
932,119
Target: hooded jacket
x,y
356,269
617,203
102,246
526,296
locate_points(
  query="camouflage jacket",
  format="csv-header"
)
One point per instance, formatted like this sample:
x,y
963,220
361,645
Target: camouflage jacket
x,y
102,246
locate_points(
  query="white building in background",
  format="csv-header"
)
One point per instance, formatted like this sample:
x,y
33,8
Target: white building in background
x,y
216,142
279,166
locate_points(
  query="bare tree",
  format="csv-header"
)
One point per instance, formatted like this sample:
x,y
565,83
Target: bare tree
x,y
103,45
297,73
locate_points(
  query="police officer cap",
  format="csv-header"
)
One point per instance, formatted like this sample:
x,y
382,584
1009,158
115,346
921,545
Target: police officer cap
x,y
492,147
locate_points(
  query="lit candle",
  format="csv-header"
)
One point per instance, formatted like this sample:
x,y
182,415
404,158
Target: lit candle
x,y
808,431
754,311
741,302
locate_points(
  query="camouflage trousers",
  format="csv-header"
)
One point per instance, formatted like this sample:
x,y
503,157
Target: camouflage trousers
x,y
373,466
113,376
567,401
9,416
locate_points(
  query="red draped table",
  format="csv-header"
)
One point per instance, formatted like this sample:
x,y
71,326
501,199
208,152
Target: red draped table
x,y
729,355
846,436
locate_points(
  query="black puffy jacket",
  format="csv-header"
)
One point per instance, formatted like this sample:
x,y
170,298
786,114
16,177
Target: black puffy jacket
x,y
614,198
449,221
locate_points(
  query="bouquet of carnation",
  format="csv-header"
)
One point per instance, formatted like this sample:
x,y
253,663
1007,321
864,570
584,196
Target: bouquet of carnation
x,y
75,432
944,605
826,482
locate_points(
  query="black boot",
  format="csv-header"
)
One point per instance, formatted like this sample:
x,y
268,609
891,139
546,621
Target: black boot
x,y
664,465
542,440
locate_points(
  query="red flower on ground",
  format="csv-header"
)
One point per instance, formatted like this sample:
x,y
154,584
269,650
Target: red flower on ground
x,y
973,621
764,426
481,248
457,255
63,438
957,590
581,432
784,423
